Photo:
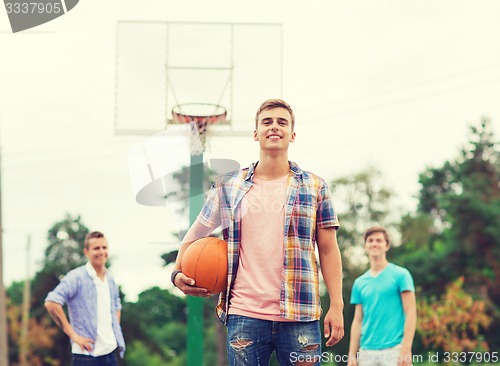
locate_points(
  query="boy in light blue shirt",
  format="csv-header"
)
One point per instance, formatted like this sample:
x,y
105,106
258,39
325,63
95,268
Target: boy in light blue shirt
x,y
94,307
385,315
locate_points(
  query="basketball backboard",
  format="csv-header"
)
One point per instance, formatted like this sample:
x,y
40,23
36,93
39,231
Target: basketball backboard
x,y
164,64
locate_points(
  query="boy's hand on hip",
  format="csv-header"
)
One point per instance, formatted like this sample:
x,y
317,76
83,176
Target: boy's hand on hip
x,y
86,344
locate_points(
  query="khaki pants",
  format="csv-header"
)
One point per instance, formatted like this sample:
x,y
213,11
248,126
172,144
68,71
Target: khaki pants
x,y
382,357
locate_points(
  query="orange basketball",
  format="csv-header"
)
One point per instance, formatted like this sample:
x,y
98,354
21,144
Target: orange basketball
x,y
205,261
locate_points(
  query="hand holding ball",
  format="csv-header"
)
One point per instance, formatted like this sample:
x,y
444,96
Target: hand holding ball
x,y
205,261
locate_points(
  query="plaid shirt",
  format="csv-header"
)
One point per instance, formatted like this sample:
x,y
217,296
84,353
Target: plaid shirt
x,y
308,206
77,290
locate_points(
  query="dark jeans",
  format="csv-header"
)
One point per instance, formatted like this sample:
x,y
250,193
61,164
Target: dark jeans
x,y
84,360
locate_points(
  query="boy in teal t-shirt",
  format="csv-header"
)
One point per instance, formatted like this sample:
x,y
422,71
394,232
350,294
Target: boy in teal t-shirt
x,y
385,315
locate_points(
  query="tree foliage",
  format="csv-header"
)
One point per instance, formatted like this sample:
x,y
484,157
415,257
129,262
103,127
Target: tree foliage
x,y
40,338
63,253
361,201
453,322
463,199
156,322
65,249
455,230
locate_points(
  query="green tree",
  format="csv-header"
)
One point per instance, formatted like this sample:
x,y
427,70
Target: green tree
x,y
40,338
64,253
48,344
361,200
457,224
425,252
156,322
139,354
463,198
365,201
65,249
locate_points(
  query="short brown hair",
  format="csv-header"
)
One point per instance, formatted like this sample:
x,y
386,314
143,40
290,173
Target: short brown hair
x,y
272,104
92,235
376,229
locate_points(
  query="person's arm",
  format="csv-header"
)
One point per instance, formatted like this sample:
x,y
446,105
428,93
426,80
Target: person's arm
x,y
118,316
331,269
56,312
355,335
410,309
181,281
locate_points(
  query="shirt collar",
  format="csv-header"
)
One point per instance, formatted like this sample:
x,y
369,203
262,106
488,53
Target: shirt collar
x,y
91,271
293,167
251,171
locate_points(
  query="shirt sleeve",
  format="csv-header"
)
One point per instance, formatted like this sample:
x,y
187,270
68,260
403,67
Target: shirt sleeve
x,y
406,281
210,213
355,294
65,290
326,215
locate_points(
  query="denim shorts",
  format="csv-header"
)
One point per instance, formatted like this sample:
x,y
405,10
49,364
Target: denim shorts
x,y
250,341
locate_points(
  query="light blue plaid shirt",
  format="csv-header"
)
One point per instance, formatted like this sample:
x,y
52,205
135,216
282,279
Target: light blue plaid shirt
x,y
77,290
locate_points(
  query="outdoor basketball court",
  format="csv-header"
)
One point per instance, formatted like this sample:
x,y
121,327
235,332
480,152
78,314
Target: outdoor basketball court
x,y
180,85
183,85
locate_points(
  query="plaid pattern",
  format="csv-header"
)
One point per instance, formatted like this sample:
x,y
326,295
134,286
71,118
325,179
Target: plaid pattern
x,y
77,290
309,205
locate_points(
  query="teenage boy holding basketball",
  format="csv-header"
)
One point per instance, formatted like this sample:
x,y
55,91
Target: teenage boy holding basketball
x,y
272,215
385,315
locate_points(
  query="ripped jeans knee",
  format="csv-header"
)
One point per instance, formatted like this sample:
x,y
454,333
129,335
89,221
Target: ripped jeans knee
x,y
251,342
308,352
240,344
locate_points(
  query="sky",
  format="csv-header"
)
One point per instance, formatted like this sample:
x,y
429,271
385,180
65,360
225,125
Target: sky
x,y
391,85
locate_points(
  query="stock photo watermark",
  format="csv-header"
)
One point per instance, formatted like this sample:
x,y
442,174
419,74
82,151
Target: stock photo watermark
x,y
26,14
430,357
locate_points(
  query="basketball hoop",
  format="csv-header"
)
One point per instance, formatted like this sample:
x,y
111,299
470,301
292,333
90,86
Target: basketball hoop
x,y
199,116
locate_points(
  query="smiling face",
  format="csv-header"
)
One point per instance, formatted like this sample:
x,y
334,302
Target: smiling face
x,y
97,252
376,245
274,129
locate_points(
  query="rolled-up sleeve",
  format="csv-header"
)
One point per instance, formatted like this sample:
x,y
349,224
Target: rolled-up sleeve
x,y
64,291
210,213
326,215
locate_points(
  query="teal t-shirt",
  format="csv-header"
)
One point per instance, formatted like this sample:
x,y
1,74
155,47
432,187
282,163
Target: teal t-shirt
x,y
380,298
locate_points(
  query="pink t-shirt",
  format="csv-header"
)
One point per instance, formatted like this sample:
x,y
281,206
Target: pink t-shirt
x,y
257,286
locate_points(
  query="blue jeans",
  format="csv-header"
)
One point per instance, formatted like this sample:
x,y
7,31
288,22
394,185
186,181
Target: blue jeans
x,y
250,342
84,360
